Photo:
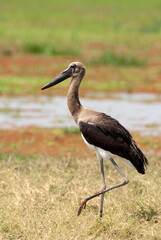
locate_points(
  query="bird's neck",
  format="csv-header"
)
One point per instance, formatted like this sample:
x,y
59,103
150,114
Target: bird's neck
x,y
73,102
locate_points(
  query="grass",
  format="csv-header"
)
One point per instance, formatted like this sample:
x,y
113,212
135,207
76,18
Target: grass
x,y
21,85
153,27
104,78
110,58
71,130
121,36
40,198
66,23
49,50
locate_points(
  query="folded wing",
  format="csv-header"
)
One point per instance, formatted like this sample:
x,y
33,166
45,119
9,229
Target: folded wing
x,y
108,134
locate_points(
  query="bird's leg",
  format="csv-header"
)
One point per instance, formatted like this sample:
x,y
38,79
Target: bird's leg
x,y
103,185
125,181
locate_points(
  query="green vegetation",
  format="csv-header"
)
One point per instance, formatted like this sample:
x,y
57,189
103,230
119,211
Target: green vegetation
x,y
110,58
49,49
153,27
66,130
21,85
40,199
54,25
105,78
71,130
111,33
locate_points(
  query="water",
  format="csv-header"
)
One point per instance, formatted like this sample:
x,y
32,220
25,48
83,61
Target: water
x,y
135,111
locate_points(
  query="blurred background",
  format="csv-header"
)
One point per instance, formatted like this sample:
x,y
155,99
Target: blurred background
x,y
119,42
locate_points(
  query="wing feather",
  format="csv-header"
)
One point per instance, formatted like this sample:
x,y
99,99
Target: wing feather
x,y
107,133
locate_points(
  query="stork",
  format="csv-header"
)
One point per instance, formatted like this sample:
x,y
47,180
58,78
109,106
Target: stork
x,y
102,133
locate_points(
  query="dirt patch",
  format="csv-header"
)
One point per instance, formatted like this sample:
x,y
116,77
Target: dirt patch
x,y
36,141
30,65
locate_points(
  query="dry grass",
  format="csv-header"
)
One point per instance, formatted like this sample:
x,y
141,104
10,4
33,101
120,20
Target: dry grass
x,y
40,197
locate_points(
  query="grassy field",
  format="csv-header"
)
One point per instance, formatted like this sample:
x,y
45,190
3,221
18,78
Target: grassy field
x,y
42,185
118,42
47,25
21,79
45,173
40,198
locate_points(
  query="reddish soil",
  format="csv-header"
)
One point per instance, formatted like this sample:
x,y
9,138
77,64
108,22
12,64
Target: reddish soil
x,y
37,141
30,65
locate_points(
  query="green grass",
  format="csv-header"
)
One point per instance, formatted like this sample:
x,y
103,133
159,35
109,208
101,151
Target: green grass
x,y
153,27
40,198
32,86
133,24
66,130
98,78
49,49
22,85
111,58
118,34
71,130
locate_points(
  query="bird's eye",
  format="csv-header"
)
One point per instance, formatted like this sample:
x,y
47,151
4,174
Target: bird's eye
x,y
73,66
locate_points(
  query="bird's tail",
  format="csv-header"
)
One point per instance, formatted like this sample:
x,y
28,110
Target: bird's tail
x,y
137,158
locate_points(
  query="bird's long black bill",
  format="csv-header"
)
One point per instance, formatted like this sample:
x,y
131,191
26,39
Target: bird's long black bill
x,y
61,77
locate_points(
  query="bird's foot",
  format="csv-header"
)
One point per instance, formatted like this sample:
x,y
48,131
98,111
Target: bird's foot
x,y
83,204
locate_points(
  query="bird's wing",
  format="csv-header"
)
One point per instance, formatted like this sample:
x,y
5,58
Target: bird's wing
x,y
108,134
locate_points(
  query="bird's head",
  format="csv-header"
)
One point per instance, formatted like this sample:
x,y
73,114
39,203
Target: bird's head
x,y
74,70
